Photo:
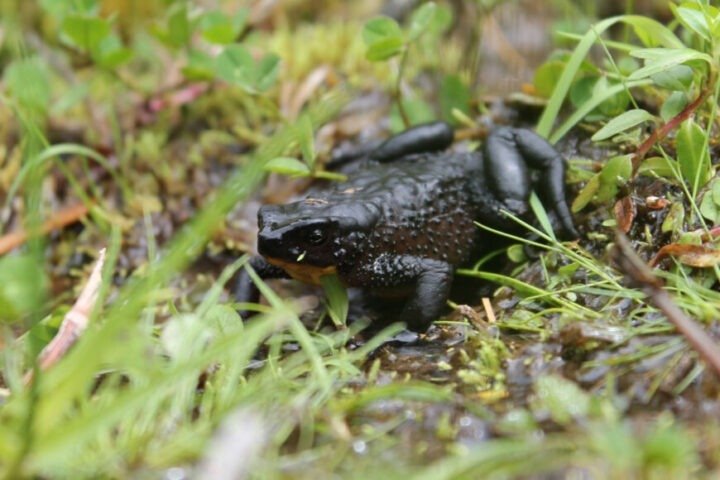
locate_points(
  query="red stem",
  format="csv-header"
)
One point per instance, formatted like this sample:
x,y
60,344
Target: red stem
x,y
662,132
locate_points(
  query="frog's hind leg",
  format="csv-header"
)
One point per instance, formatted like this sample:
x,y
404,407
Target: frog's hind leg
x,y
508,153
425,138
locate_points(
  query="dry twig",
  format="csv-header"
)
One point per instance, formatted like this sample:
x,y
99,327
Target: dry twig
x,y
75,321
62,219
635,269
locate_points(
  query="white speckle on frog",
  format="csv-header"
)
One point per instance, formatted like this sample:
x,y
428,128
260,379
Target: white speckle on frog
x,y
315,201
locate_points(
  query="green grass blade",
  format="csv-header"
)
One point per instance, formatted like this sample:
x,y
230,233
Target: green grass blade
x,y
663,35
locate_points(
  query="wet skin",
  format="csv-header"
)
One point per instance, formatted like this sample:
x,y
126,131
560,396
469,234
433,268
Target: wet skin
x,y
402,223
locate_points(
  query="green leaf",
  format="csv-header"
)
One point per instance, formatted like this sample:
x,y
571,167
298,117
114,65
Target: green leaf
x,y
673,105
626,65
287,166
115,58
337,298
28,83
111,53
709,206
217,27
586,194
673,221
613,175
651,32
516,253
582,90
692,155
656,53
692,19
200,66
662,59
442,20
384,49
179,29
267,72
420,20
381,28
85,32
454,95
613,105
547,76
235,65
659,166
383,37
22,287
417,110
679,77
624,122
715,191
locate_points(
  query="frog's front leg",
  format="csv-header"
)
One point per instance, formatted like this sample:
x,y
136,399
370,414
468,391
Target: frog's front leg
x,y
429,280
245,289
508,152
424,138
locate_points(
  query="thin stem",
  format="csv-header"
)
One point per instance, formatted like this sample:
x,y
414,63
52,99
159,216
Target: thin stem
x,y
398,87
672,124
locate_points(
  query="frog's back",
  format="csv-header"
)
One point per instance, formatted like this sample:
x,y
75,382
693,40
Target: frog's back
x,y
427,205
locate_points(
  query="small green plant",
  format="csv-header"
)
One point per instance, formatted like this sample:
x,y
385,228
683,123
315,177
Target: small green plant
x,y
386,39
84,30
308,167
234,64
680,68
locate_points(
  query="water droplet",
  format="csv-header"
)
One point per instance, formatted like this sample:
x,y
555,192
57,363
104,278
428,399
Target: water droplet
x,y
359,447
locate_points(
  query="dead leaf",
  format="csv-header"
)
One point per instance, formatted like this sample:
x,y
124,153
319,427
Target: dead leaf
x,y
699,256
625,211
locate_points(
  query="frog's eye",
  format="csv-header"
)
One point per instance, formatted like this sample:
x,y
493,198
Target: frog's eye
x,y
316,237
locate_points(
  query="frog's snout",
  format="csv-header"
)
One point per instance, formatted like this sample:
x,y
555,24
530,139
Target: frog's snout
x,y
271,243
268,217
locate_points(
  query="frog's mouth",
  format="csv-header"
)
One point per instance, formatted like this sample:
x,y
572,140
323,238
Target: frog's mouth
x,y
302,271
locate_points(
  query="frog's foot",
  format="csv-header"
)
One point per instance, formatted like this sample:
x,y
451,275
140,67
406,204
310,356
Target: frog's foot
x,y
245,289
508,154
425,138
430,281
428,300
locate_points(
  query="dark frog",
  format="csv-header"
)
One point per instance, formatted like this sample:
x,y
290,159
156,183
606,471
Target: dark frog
x,y
403,223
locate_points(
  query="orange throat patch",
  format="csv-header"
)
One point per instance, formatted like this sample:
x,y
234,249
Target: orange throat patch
x,y
303,272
